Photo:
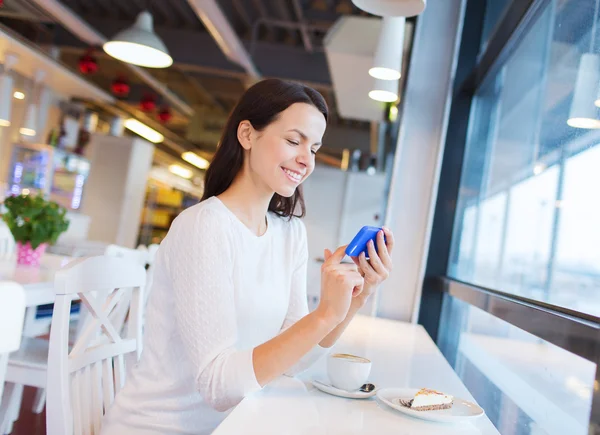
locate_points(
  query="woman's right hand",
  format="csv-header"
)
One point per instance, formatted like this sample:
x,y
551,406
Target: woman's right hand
x,y
339,283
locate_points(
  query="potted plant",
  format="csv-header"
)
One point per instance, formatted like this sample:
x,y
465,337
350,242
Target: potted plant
x,y
34,223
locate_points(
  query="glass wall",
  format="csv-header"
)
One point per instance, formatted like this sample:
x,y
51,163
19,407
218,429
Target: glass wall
x,y
526,385
526,221
528,212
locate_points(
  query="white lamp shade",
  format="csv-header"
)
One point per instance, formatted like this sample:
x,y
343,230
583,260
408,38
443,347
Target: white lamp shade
x,y
392,8
6,91
30,125
388,58
139,45
584,114
384,90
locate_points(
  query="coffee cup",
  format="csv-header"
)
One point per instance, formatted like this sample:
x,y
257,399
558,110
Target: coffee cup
x,y
348,372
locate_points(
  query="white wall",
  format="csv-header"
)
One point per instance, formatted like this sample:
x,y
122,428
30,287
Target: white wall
x,y
415,176
338,204
114,192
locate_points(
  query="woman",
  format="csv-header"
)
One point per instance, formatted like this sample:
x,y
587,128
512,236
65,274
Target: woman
x,y
228,312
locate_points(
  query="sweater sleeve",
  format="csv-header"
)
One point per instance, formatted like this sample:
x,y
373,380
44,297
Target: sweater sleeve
x,y
298,305
200,268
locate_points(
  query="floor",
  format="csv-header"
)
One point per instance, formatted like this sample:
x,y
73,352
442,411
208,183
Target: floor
x,y
28,422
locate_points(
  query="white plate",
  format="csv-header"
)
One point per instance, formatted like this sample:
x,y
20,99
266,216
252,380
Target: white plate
x,y
330,389
461,409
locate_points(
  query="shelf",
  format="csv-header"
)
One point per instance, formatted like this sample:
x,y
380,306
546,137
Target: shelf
x,y
155,227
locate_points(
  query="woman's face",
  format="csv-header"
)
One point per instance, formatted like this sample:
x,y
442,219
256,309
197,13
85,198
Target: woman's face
x,y
283,154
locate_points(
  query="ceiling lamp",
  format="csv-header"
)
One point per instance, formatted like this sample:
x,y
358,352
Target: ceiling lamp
x,y
388,58
195,159
584,113
143,130
139,45
385,91
31,123
29,127
391,8
181,171
6,89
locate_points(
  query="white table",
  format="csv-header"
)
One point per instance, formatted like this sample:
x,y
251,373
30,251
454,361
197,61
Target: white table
x,y
38,282
403,355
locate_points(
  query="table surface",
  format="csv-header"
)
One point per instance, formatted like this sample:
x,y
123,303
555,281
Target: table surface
x,y
38,282
403,356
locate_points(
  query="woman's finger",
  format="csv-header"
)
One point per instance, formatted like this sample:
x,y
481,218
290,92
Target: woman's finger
x,y
383,251
389,239
369,272
374,259
358,284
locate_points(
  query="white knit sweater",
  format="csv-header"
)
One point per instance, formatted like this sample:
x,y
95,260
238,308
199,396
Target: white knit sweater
x,y
218,292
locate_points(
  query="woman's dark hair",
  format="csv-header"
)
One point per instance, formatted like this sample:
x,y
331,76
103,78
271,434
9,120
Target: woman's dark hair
x,y
260,105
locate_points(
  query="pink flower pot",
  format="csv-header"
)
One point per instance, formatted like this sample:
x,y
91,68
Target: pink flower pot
x,y
28,256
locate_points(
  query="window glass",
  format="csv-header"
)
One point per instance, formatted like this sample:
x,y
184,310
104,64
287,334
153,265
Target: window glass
x,y
528,208
526,385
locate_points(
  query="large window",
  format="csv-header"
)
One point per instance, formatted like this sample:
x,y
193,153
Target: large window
x,y
528,219
512,286
527,386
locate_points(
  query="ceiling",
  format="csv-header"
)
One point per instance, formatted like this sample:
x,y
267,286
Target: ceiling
x,y
283,39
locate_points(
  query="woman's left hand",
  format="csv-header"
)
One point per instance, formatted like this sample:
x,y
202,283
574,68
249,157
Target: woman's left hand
x,y
377,268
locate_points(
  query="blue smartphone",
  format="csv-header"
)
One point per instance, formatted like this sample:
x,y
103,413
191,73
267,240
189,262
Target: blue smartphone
x,y
359,242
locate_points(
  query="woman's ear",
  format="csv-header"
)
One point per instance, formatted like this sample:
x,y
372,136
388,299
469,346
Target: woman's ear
x,y
244,134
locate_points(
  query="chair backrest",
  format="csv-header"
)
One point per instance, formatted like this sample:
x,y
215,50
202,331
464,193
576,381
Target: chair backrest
x,y
139,255
83,382
152,250
7,241
12,312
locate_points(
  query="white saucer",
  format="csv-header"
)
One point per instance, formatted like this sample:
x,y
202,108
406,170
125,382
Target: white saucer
x,y
461,409
330,389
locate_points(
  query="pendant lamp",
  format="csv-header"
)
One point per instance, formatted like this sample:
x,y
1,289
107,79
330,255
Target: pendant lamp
x,y
584,113
391,8
29,127
6,89
388,57
139,45
385,91
30,124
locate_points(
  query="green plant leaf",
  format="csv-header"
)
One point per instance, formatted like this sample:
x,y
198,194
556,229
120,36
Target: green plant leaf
x,y
34,219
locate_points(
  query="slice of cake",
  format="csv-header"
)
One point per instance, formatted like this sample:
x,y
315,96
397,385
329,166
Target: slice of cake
x,y
430,400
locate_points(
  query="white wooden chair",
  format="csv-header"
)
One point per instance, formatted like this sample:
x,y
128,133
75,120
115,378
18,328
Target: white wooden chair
x,y
83,380
28,366
12,313
118,317
7,241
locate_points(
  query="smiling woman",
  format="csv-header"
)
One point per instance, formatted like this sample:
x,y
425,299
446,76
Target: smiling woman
x,y
228,312
271,114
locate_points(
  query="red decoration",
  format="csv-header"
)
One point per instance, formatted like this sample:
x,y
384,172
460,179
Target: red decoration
x,y
87,63
148,103
120,87
165,115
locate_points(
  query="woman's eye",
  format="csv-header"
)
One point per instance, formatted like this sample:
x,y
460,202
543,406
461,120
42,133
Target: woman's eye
x,y
313,151
292,142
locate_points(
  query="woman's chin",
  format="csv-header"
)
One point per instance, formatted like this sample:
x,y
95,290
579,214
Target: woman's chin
x,y
286,191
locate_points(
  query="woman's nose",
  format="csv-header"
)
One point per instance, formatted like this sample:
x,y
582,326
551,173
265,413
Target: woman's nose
x,y
304,156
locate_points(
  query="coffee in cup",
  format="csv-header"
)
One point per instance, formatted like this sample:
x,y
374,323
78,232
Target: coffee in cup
x,y
348,372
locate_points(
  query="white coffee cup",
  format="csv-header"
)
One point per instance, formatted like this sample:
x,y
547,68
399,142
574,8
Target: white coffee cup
x,y
348,372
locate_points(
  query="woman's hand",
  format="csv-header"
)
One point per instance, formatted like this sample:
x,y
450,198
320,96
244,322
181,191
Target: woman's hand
x,y
377,268
339,283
